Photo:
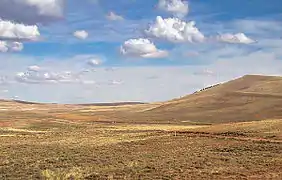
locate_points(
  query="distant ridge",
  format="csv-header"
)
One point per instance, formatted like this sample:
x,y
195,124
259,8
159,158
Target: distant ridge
x,y
26,102
86,104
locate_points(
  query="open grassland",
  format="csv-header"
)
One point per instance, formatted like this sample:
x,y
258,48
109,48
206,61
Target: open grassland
x,y
52,150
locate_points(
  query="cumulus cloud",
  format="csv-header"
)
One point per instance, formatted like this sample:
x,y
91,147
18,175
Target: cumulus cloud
x,y
239,38
114,17
81,34
10,30
175,30
10,46
178,8
31,11
35,77
141,48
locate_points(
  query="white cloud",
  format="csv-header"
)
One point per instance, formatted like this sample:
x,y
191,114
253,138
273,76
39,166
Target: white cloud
x,y
156,54
10,46
46,7
10,30
239,38
114,17
81,34
35,77
16,46
175,30
178,8
3,46
31,11
142,48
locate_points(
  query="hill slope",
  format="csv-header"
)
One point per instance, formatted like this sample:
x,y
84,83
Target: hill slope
x,y
251,97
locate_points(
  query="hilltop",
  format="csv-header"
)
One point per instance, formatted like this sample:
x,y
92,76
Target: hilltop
x,y
251,97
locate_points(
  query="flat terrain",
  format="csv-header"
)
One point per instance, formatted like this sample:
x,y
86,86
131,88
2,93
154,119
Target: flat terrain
x,y
142,151
195,137
38,145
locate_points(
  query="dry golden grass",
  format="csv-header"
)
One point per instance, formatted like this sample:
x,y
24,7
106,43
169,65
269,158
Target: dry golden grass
x,y
271,129
243,99
134,151
20,130
155,127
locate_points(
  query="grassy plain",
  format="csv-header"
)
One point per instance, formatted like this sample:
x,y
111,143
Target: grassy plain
x,y
52,149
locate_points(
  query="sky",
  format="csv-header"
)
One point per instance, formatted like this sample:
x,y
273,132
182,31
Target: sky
x,y
87,51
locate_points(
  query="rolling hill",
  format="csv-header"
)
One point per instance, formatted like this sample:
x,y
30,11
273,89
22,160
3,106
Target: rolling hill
x,y
251,97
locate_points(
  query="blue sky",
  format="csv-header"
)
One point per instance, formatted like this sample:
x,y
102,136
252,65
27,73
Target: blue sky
x,y
133,50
